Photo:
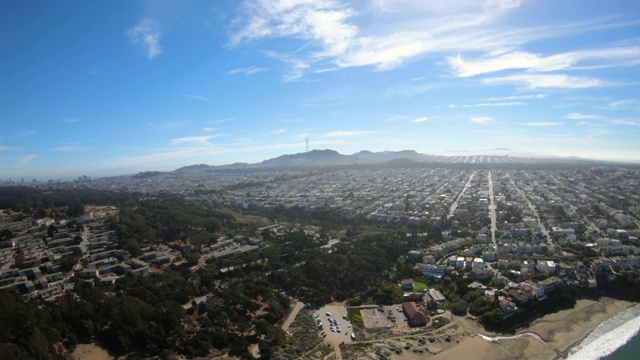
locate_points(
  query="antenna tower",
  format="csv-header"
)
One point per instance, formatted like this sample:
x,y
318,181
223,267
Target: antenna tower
x,y
307,142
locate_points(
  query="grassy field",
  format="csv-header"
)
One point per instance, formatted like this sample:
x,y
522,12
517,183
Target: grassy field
x,y
418,286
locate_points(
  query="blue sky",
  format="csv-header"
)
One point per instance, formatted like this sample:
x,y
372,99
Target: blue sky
x,y
116,87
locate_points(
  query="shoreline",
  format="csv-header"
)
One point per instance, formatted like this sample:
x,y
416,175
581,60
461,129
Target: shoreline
x,y
568,328
558,334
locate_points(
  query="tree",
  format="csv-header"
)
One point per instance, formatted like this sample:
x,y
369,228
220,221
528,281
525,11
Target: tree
x,y
51,230
5,235
492,318
19,260
459,307
355,301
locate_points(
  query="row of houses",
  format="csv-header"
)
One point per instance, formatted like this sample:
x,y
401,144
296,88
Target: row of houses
x,y
31,260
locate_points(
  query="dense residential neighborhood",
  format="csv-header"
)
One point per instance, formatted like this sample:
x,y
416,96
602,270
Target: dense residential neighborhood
x,y
394,251
47,257
509,226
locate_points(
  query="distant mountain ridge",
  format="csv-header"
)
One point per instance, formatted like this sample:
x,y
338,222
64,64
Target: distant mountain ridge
x,y
327,157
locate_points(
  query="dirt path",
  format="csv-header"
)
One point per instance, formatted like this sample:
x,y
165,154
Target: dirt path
x,y
292,316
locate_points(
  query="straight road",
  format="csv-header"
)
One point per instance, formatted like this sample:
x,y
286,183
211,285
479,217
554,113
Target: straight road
x,y
454,206
492,213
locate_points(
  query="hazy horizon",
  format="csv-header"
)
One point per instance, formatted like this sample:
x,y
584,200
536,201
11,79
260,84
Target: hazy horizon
x,y
116,88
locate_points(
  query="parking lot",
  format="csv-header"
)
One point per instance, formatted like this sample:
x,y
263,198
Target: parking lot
x,y
375,318
338,313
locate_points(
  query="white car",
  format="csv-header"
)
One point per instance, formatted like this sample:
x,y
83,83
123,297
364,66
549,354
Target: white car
x,y
328,313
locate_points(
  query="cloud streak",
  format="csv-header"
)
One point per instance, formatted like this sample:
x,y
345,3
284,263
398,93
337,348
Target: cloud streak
x,y
251,70
537,81
197,97
578,116
201,140
71,149
25,160
543,123
490,104
481,119
605,57
349,133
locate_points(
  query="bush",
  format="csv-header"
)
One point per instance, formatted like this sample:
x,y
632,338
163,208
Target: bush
x,y
357,318
439,322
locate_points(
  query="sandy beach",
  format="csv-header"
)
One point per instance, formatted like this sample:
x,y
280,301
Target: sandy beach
x,y
562,330
566,328
550,337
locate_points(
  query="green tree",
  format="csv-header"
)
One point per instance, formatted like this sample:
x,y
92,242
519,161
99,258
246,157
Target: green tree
x,y
459,307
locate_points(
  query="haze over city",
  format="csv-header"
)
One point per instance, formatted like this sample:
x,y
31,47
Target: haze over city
x,y
118,87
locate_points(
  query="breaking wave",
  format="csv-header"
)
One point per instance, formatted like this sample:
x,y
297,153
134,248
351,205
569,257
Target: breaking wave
x,y
608,336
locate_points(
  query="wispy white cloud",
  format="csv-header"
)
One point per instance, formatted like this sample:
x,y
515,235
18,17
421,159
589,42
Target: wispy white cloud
x,y
349,133
208,129
70,120
410,90
333,35
17,134
197,97
628,104
247,70
147,34
167,125
516,97
241,141
625,122
420,119
536,81
489,104
25,160
481,119
202,140
578,116
397,118
72,148
218,121
543,123
279,131
601,120
325,22
608,57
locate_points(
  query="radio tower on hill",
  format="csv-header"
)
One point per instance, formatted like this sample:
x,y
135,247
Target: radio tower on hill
x,y
307,142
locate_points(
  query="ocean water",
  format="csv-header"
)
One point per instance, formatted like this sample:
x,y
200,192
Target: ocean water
x,y
615,339
629,351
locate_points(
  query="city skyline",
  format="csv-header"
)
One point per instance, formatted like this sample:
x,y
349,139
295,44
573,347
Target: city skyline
x,y
108,89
